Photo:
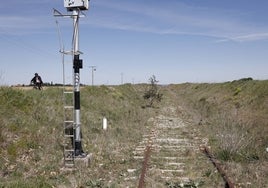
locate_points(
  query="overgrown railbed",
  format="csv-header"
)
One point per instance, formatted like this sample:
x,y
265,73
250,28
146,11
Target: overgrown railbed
x,y
232,115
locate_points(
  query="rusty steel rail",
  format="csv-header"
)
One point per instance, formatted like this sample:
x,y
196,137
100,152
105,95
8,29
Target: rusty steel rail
x,y
228,182
144,167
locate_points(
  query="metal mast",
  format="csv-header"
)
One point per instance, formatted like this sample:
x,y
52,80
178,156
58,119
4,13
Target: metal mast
x,y
75,6
77,65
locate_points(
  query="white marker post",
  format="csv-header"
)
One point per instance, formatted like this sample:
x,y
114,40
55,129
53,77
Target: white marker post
x,y
104,124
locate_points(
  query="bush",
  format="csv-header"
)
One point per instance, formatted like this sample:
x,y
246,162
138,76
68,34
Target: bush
x,y
152,93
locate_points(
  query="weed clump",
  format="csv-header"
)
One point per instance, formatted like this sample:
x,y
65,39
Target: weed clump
x,y
152,94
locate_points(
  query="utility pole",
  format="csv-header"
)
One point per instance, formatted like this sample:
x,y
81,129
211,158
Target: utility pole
x,y
93,68
122,78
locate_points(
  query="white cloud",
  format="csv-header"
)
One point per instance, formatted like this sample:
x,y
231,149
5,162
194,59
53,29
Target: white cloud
x,y
177,18
244,38
160,18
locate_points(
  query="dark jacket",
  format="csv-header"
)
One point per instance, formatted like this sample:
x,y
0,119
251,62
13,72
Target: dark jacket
x,y
37,80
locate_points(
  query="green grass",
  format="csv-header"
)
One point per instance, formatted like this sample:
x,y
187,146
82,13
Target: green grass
x,y
31,134
30,123
233,114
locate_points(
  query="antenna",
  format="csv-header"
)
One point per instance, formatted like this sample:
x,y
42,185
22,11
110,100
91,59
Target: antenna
x,y
60,37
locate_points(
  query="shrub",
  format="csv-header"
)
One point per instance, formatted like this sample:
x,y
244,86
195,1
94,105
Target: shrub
x,y
152,94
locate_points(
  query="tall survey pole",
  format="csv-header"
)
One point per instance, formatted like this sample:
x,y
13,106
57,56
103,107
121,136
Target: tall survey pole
x,y
75,6
77,65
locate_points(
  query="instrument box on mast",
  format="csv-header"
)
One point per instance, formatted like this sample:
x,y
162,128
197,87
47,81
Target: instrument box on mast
x,y
81,4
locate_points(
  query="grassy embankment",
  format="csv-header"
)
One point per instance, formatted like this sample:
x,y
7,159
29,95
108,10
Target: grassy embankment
x,y
31,135
232,115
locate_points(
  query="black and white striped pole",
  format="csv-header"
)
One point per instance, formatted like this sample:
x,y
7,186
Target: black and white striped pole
x,y
76,6
77,65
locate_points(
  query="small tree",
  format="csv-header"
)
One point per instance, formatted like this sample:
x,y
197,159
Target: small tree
x,y
152,93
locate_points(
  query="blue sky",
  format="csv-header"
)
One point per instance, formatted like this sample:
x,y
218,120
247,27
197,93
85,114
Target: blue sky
x,y
176,40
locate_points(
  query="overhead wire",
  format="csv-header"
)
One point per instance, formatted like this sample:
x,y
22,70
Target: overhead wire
x,y
19,42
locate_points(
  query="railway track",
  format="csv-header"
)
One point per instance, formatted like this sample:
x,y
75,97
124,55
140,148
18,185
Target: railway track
x,y
169,156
